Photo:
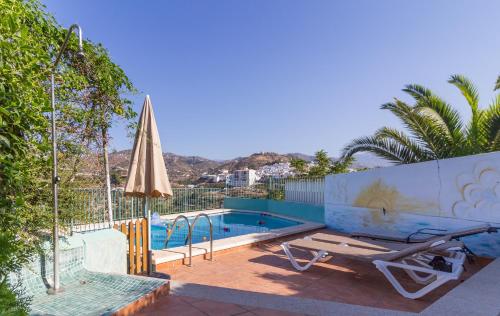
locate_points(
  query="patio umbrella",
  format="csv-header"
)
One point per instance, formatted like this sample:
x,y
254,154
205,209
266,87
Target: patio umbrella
x,y
147,176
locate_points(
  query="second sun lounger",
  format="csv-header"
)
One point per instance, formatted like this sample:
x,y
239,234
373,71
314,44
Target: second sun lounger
x,y
426,234
413,259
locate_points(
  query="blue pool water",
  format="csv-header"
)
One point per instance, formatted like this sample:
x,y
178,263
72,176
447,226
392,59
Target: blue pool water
x,y
228,224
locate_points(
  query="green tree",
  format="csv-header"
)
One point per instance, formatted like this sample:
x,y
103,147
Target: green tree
x,y
435,128
26,35
299,165
341,165
102,99
29,39
322,165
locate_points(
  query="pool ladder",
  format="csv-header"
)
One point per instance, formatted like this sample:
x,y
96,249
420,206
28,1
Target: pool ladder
x,y
189,237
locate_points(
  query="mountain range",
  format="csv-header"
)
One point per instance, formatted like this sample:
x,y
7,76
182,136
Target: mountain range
x,y
186,169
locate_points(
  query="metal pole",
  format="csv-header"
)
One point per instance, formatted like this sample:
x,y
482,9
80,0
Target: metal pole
x,y
55,177
55,180
147,214
211,239
190,244
150,252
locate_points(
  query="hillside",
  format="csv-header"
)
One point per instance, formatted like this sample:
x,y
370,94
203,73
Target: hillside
x,y
180,168
188,169
257,160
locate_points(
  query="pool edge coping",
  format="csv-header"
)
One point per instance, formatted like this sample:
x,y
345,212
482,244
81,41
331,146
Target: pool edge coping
x,y
180,253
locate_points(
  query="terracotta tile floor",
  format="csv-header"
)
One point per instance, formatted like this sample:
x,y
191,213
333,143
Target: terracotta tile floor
x,y
266,269
187,306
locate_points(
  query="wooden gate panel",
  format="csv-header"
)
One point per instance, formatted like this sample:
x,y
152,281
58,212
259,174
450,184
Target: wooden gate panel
x,y
145,244
137,240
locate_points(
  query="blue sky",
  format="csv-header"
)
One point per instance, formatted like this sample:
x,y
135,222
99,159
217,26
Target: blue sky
x,y
229,78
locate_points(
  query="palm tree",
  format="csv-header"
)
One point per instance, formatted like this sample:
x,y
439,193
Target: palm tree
x,y
435,128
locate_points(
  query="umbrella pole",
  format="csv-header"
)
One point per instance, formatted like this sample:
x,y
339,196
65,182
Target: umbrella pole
x,y
147,215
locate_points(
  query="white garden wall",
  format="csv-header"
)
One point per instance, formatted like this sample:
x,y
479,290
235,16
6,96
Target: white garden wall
x,y
448,193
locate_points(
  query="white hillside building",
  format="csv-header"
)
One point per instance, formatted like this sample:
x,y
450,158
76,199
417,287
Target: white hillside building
x,y
242,178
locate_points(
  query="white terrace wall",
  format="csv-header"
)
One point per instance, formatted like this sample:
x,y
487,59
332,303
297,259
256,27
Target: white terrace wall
x,y
448,194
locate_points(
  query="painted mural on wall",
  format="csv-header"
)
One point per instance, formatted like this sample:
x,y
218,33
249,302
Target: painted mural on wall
x,y
447,194
465,187
353,219
380,195
479,193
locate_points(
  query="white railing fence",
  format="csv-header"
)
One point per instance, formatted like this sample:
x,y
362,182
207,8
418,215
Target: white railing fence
x,y
306,190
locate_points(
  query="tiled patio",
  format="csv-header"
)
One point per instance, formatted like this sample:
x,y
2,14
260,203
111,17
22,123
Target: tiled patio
x,y
188,306
265,269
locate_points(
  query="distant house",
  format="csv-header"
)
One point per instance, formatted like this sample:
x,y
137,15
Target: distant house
x,y
214,178
242,178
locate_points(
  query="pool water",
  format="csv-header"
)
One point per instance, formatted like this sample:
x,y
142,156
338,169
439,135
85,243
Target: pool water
x,y
228,224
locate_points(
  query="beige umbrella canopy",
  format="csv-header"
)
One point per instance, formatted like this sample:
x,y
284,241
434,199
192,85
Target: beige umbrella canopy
x,y
147,175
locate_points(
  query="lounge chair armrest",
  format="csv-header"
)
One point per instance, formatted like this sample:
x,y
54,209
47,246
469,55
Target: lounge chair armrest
x,y
380,263
426,231
457,263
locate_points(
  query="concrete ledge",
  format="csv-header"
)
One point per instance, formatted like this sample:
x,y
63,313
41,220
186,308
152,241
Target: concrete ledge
x,y
479,295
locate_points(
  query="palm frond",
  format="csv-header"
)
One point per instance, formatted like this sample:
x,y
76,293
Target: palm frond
x,y
432,106
472,131
490,125
384,148
417,91
469,91
401,138
425,130
435,129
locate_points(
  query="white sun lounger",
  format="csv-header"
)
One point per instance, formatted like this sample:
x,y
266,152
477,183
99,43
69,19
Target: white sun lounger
x,y
413,259
450,249
425,234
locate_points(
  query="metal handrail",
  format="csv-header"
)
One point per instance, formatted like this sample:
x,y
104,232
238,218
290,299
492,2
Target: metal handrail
x,y
191,235
189,231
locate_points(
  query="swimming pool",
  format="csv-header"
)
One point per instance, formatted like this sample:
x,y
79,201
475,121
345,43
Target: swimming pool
x,y
226,224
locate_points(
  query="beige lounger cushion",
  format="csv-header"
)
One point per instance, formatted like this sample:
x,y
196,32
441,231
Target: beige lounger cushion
x,y
372,244
389,236
470,231
336,239
364,253
399,246
356,252
466,231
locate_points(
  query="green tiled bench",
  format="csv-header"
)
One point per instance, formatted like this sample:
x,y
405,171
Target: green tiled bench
x,y
84,292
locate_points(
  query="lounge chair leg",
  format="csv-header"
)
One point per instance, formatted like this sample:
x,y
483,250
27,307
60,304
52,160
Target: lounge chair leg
x,y
417,278
440,280
293,261
323,258
471,256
